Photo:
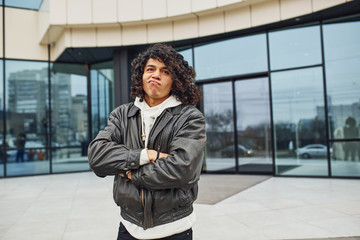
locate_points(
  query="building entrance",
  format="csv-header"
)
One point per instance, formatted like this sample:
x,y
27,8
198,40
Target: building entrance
x,y
237,117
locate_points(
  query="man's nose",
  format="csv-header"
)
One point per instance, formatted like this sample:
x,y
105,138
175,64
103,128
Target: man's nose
x,y
156,74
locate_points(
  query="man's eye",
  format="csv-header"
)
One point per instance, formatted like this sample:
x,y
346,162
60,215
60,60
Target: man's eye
x,y
149,69
166,72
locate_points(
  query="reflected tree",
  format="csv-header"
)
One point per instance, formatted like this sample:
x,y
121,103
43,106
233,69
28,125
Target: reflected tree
x,y
220,129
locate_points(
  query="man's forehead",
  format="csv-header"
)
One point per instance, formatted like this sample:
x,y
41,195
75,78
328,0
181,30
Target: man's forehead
x,y
153,62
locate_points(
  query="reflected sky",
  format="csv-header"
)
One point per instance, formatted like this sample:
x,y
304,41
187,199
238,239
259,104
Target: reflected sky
x,y
295,47
252,102
218,106
231,57
187,54
78,85
38,69
28,4
342,61
297,94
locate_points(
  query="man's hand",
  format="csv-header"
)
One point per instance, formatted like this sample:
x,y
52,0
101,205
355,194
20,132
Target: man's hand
x,y
127,175
152,155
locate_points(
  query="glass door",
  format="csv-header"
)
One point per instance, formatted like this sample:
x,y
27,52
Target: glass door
x,y
254,151
218,110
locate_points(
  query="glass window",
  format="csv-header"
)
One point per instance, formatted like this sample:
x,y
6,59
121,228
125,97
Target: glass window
x,y
342,61
188,56
253,125
2,146
69,159
27,4
231,57
295,47
27,132
69,118
102,97
299,122
218,111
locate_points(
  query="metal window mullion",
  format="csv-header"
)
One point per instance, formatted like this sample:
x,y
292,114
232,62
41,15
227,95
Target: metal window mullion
x,y
272,129
235,127
49,125
89,106
4,95
325,99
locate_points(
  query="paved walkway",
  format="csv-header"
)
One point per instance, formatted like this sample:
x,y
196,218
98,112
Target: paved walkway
x,y
80,206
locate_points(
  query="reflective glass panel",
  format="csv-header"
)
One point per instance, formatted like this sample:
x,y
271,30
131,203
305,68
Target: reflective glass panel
x,y
188,56
2,146
27,130
218,111
295,47
27,161
344,158
27,4
299,122
102,96
69,116
69,159
253,125
231,57
342,61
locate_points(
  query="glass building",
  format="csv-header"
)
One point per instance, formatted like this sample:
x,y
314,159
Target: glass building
x,y
280,98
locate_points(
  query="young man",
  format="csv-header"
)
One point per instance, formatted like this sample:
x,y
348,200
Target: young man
x,y
155,148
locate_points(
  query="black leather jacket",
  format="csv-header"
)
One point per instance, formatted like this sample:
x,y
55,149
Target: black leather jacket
x,y
162,191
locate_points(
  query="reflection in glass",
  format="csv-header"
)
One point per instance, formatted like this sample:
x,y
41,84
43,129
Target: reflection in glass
x,y
32,161
69,160
299,122
231,57
69,105
295,47
218,111
2,146
26,117
188,56
28,4
102,99
342,61
253,125
69,117
345,158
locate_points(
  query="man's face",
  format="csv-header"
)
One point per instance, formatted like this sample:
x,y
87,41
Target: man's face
x,y
157,82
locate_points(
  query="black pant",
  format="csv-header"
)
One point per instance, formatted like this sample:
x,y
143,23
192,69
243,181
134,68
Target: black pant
x,y
125,235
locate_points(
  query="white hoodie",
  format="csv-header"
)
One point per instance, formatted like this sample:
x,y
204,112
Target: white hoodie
x,y
148,117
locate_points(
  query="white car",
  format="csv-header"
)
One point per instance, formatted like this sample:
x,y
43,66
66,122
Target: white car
x,y
313,151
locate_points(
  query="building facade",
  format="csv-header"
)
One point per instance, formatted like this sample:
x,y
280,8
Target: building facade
x,y
279,78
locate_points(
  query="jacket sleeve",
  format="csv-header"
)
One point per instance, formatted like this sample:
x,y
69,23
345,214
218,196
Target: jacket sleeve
x,y
182,168
107,154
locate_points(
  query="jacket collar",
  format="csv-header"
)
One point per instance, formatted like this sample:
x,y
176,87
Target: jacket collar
x,y
173,111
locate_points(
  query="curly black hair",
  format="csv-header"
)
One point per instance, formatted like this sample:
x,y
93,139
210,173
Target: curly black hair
x,y
183,75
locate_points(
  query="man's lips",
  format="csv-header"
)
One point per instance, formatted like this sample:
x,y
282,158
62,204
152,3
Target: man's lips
x,y
153,82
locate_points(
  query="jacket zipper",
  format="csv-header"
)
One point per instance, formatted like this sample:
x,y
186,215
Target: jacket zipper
x,y
142,198
143,145
159,143
140,135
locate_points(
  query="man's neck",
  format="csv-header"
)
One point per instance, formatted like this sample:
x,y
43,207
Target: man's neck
x,y
152,102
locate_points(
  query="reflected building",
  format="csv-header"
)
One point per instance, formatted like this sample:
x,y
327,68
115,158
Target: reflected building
x,y
79,116
25,102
